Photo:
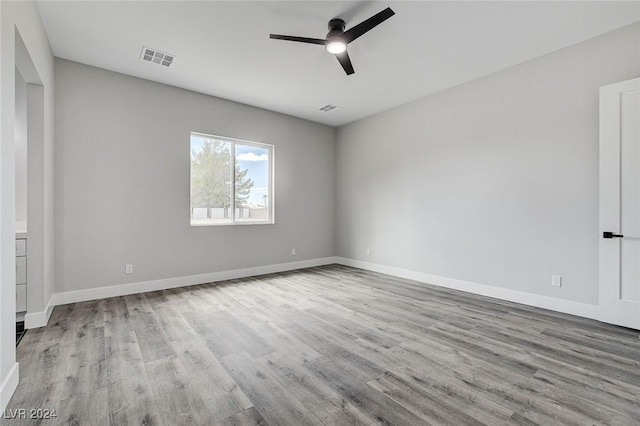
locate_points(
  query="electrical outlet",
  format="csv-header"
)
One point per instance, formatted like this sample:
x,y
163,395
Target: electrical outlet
x,y
128,269
293,252
556,280
368,251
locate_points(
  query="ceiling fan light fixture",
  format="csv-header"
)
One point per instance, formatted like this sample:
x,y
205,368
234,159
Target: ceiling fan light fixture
x,y
336,46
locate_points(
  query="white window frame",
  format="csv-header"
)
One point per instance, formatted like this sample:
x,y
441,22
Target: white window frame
x,y
270,187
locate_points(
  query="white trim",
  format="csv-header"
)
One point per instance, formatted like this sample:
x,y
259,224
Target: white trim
x,y
39,319
530,299
621,86
167,283
9,386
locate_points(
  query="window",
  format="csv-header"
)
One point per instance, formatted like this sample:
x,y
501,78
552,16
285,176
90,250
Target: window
x,y
231,181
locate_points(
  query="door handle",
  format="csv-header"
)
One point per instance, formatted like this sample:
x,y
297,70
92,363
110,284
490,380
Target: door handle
x,y
607,234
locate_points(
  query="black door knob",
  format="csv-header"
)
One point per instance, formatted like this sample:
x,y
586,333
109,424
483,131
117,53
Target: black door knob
x,y
607,234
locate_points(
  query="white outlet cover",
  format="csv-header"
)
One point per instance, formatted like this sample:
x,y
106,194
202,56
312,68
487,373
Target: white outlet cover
x,y
556,280
128,269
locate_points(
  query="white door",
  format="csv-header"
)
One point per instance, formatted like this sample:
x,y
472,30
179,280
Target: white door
x,y
620,203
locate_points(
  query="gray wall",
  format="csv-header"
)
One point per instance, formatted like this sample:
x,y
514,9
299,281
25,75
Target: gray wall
x,y
494,181
122,181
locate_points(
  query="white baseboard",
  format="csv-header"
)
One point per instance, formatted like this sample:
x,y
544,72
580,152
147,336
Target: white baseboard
x,y
39,319
167,283
530,299
9,386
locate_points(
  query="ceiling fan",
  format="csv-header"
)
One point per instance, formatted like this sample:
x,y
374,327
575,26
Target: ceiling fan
x,y
337,38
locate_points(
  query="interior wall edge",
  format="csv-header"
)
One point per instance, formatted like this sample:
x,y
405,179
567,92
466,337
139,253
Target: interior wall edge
x,y
9,386
41,318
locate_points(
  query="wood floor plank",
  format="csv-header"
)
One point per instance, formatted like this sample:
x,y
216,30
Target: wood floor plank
x,y
434,405
594,393
116,317
210,380
225,334
152,339
272,400
86,367
178,401
85,409
130,395
247,417
574,401
340,354
279,338
620,368
324,402
373,404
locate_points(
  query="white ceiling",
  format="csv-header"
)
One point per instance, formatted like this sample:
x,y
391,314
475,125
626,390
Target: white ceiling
x,y
223,48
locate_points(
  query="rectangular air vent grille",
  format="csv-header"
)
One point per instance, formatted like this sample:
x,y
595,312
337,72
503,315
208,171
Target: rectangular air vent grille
x,y
157,57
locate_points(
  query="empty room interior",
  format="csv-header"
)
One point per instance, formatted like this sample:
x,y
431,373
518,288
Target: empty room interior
x,y
320,213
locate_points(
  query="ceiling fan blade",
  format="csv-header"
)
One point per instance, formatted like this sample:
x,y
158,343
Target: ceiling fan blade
x,y
344,60
364,26
299,39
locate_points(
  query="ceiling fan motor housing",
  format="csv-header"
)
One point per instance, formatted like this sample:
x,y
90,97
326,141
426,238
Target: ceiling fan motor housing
x,y
336,28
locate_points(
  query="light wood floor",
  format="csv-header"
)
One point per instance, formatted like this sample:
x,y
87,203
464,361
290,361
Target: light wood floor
x,y
328,345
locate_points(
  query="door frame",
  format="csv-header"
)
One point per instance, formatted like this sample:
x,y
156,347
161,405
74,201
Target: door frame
x,y
609,205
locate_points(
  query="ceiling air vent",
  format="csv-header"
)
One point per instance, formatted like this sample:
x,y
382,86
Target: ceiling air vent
x,y
329,108
152,55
